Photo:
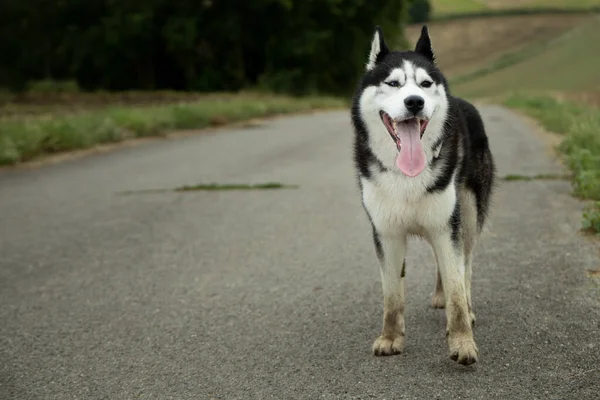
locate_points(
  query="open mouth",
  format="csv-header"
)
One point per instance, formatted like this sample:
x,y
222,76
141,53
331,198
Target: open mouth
x,y
394,127
407,134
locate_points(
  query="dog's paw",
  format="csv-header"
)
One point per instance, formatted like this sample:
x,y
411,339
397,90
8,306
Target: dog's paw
x,y
386,346
438,300
463,350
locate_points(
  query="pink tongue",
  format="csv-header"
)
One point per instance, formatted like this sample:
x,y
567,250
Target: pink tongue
x,y
411,159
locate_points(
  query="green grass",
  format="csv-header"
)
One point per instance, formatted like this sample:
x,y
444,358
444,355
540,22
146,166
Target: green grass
x,y
563,64
24,139
556,116
580,147
519,177
591,218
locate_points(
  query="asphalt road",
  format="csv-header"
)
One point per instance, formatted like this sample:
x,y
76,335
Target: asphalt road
x,y
276,294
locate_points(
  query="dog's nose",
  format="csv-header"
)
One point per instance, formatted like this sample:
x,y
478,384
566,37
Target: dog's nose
x,y
414,103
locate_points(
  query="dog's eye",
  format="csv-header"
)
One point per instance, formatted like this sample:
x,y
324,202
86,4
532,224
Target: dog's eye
x,y
426,84
393,83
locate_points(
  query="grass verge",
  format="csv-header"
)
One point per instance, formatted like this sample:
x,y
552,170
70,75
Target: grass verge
x,y
542,177
25,139
580,147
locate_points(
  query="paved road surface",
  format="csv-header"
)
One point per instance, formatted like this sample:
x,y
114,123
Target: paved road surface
x,y
276,294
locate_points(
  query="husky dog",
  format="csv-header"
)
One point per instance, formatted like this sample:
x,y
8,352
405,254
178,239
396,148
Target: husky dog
x,y
425,169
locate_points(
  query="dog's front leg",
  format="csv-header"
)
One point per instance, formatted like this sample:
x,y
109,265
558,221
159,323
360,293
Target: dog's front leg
x,y
393,250
450,258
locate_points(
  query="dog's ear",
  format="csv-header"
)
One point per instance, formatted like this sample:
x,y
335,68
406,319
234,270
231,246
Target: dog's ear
x,y
423,46
378,49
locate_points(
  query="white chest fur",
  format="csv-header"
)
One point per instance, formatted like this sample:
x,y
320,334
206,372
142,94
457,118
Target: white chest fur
x,y
399,205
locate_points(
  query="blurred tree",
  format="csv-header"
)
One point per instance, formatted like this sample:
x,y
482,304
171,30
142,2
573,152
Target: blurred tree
x,y
296,46
419,11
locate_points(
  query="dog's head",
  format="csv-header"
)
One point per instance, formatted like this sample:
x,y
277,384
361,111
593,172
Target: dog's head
x,y
403,102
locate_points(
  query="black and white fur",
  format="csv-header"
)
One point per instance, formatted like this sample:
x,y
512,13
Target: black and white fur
x,y
446,204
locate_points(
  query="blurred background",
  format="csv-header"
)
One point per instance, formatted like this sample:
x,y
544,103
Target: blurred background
x,y
77,73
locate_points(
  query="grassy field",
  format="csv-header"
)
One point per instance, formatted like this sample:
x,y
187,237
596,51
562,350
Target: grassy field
x,y
37,102
566,64
468,45
26,137
443,8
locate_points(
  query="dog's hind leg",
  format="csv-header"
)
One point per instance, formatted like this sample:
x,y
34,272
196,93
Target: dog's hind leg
x,y
449,253
393,269
470,236
468,274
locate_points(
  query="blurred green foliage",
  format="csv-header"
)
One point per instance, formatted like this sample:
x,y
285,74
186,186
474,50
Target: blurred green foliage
x,y
419,11
296,46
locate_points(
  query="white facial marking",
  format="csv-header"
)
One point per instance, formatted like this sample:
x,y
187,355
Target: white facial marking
x,y
383,97
397,75
391,99
410,72
422,76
